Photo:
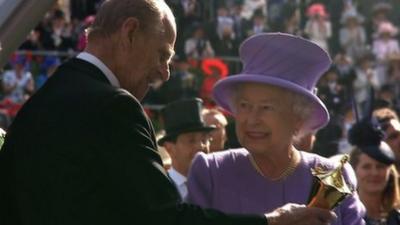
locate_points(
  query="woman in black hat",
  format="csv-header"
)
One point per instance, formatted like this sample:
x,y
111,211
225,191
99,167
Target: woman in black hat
x,y
378,185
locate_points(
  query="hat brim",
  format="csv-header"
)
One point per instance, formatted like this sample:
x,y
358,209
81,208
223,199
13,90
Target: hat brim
x,y
171,135
359,19
223,92
381,153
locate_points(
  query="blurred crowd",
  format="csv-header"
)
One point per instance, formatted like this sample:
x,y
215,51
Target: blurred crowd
x,y
361,37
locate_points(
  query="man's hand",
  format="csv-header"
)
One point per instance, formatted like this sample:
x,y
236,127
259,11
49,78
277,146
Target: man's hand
x,y
294,214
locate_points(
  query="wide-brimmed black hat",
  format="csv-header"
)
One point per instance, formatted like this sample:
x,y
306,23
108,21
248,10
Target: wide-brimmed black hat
x,y
183,116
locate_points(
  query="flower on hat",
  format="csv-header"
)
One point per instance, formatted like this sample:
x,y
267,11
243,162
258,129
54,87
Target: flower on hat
x,y
209,65
387,27
88,21
317,9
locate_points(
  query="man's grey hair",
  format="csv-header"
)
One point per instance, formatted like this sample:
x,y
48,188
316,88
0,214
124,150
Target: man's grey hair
x,y
113,13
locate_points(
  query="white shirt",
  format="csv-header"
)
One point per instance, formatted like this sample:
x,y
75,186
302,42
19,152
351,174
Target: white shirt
x,y
10,79
99,64
180,182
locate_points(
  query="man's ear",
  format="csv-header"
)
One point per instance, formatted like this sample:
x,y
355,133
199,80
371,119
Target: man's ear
x,y
129,29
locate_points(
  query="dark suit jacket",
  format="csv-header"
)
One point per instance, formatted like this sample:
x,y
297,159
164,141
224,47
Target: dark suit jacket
x,y
83,152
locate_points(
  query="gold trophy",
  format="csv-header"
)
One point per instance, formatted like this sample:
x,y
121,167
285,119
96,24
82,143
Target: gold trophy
x,y
329,187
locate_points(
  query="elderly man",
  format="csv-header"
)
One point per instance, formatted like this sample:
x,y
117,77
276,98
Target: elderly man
x,y
82,151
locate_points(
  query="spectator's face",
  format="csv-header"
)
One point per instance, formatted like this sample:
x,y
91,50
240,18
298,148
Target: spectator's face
x,y
372,176
352,23
379,16
392,137
58,23
227,32
199,33
184,149
259,21
222,12
238,9
264,118
366,64
386,35
19,68
332,76
387,95
146,59
183,66
34,36
218,136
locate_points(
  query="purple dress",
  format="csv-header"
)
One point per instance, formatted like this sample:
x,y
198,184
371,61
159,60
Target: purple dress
x,y
227,181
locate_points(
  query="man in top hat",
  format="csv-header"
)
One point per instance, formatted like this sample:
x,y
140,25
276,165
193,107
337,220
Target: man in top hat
x,y
186,134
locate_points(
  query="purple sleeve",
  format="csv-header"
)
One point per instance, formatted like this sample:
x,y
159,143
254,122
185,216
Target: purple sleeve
x,y
351,211
199,182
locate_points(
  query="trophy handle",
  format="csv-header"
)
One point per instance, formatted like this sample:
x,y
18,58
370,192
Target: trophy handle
x,y
315,188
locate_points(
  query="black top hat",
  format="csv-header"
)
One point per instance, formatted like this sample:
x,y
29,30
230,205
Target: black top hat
x,y
183,116
367,135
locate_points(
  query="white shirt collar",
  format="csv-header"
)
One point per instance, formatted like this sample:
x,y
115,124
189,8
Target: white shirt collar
x,y
177,177
180,182
99,64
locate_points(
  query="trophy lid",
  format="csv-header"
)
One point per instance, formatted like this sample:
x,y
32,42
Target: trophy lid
x,y
333,178
329,187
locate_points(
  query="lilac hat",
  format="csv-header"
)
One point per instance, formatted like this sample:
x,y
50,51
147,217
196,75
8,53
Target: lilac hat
x,y
282,60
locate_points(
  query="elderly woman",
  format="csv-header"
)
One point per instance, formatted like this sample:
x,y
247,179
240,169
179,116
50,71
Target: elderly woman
x,y
378,184
274,102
